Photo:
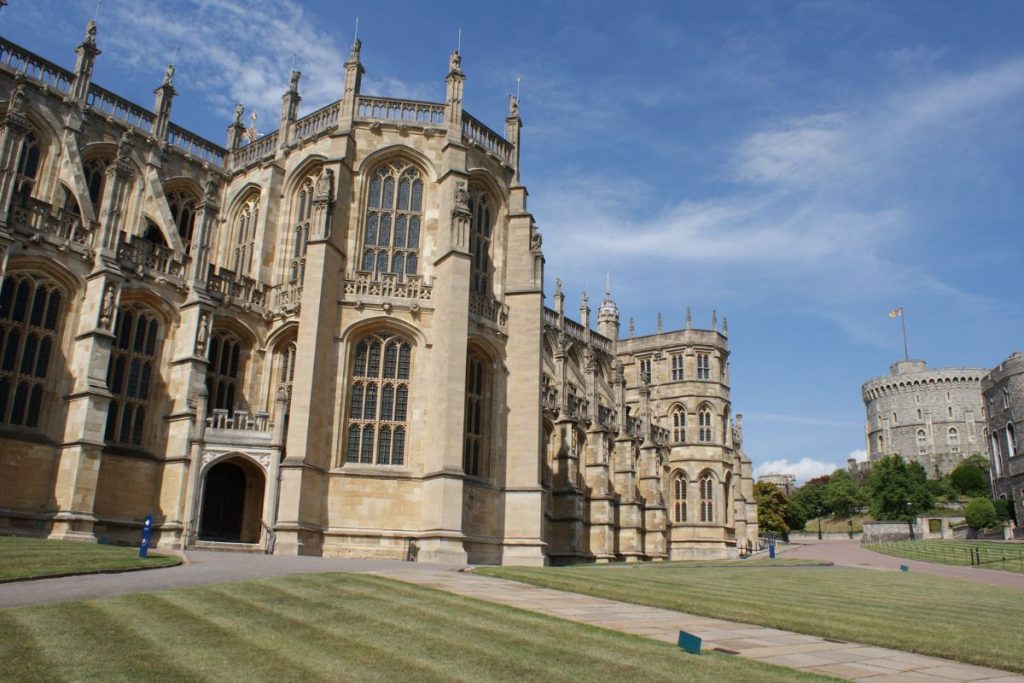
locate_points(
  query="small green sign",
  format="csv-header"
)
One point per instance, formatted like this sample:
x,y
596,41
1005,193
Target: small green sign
x,y
689,642
904,568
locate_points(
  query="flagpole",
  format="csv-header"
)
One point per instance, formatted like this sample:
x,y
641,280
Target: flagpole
x,y
903,322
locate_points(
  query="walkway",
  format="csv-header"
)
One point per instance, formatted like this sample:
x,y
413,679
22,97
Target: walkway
x,y
797,651
807,653
851,554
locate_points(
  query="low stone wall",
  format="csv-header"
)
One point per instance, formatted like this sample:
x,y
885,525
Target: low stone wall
x,y
882,532
805,536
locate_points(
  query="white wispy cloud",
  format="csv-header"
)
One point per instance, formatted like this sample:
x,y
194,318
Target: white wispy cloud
x,y
803,469
860,455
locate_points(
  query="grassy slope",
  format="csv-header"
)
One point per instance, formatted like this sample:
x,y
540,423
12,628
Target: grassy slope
x,y
913,612
992,554
30,557
334,627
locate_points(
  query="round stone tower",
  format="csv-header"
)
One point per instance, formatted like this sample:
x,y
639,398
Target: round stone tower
x,y
933,417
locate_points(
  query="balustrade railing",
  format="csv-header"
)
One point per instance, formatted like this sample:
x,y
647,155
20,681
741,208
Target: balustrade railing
x,y
196,146
237,290
287,297
402,111
34,216
477,132
577,331
18,59
139,255
239,420
255,151
317,122
387,285
109,104
488,308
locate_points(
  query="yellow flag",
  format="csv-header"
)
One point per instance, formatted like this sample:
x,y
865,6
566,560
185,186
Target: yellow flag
x,y
896,312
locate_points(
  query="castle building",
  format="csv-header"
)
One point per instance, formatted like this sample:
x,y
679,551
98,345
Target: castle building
x,y
328,339
932,417
1003,395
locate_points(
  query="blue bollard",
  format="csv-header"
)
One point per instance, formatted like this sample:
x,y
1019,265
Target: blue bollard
x,y
771,550
147,529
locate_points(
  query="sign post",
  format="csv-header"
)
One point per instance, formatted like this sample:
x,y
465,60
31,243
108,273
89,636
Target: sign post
x,y
147,529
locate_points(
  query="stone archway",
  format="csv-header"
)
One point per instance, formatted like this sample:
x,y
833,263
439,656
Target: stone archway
x,y
232,506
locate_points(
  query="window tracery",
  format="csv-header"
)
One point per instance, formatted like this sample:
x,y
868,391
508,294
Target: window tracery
x,y
31,310
300,234
704,425
678,424
130,374
245,235
224,374
703,366
394,206
474,453
481,229
183,211
95,180
28,167
379,400
678,375
707,498
679,498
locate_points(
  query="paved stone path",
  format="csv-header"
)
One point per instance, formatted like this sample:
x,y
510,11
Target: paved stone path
x,y
807,653
851,554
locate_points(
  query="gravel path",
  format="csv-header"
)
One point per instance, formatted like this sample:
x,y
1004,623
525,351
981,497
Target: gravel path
x,y
851,554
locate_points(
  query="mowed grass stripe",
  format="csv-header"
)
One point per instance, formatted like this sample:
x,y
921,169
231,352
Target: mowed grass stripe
x,y
335,627
913,612
22,558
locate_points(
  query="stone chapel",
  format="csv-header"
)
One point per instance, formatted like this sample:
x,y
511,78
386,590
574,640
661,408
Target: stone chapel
x,y
330,339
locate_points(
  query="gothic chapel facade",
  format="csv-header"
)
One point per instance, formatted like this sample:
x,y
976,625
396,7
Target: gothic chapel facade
x,y
329,339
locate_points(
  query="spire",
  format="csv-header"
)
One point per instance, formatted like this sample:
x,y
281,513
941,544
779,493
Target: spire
x,y
236,128
353,81
453,96
165,93
608,313
289,108
714,320
85,59
689,318
585,310
513,127
659,323
559,297
632,328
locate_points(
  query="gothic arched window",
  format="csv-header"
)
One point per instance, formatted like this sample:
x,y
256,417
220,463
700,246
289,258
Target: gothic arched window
x,y
95,179
183,211
28,167
31,310
881,444
480,232
394,210
245,235
706,485
922,441
705,433
224,374
953,437
703,366
474,451
131,374
679,498
678,424
378,400
300,234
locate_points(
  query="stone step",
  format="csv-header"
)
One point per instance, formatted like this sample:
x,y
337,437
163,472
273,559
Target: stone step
x,y
226,546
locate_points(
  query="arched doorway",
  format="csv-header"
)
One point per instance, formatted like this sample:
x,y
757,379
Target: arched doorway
x,y
232,502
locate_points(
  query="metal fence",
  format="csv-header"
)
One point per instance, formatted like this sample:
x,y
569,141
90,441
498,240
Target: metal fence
x,y
1005,556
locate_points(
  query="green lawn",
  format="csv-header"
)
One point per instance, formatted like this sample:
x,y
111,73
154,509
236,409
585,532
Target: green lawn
x,y
986,554
22,558
913,612
334,627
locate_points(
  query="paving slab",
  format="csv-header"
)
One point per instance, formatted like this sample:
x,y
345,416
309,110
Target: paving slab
x,y
853,661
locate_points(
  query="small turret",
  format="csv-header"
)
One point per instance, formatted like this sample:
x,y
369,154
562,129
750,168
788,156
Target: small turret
x,y
608,314
559,297
585,311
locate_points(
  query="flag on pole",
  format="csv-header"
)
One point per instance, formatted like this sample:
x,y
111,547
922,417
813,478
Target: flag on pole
x,y
896,312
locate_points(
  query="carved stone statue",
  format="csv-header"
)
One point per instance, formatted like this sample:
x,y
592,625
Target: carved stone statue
x,y
455,62
107,307
124,145
211,191
168,74
294,86
90,32
239,111
461,197
513,105
357,45
202,334
325,186
536,240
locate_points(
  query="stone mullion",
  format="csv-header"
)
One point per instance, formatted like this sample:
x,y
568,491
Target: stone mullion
x,y
12,141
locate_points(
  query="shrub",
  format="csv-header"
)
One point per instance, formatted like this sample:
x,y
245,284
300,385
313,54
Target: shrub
x,y
1004,509
980,513
969,479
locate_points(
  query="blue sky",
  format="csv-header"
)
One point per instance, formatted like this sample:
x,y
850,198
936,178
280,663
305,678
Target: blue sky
x,y
802,167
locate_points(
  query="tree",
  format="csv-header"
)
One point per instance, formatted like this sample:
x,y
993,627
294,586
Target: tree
x,y
771,508
980,513
812,495
796,515
899,491
1004,509
842,495
970,478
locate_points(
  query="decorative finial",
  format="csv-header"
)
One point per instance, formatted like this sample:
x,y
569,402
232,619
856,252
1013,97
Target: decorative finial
x,y
689,318
659,322
632,328
584,300
725,325
558,286
608,285
714,319
252,132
